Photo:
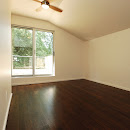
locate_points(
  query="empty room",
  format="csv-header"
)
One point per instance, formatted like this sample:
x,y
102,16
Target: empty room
x,y
64,65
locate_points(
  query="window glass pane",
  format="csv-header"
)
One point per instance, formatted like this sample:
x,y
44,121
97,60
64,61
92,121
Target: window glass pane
x,y
44,53
22,47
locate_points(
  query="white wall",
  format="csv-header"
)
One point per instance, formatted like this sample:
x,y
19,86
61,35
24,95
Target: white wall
x,y
67,53
107,59
5,60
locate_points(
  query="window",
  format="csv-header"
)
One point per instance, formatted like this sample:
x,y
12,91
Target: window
x,y
32,52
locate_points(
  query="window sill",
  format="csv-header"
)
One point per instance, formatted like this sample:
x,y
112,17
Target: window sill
x,y
30,76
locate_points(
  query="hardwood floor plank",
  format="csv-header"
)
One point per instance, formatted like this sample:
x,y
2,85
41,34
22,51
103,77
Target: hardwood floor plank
x,y
69,105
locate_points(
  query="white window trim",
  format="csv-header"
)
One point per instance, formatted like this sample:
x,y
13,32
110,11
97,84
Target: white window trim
x,y
34,52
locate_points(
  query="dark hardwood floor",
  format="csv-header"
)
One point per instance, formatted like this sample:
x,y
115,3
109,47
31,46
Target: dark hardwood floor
x,y
69,105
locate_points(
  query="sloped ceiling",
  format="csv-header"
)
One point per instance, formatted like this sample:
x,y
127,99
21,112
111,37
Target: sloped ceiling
x,y
86,19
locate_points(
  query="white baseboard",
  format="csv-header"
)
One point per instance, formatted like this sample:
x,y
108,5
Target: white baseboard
x,y
7,112
47,81
109,84
58,80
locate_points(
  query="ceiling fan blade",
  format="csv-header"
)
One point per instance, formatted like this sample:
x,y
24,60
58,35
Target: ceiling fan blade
x,y
37,1
55,8
51,1
39,9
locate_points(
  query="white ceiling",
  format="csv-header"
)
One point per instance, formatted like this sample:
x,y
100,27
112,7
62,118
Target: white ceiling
x,y
86,19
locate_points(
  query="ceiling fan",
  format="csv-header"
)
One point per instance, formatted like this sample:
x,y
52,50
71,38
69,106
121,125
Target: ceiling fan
x,y
45,4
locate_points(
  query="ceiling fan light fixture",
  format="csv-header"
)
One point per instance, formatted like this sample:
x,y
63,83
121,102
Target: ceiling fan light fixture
x,y
44,6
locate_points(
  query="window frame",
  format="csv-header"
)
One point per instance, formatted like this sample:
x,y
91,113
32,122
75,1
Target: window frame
x,y
34,51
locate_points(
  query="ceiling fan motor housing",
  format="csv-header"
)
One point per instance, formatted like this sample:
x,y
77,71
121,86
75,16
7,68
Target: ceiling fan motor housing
x,y
45,2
